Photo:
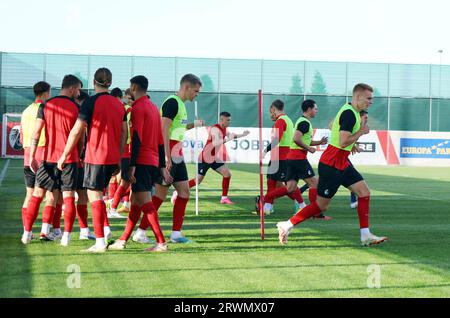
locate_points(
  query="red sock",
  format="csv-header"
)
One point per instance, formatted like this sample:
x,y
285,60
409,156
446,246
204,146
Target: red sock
x,y
32,212
225,186
271,185
363,212
156,203
275,194
98,217
69,214
117,196
312,195
152,218
127,191
192,183
112,188
297,196
24,212
306,213
82,214
179,211
133,218
47,214
105,219
56,222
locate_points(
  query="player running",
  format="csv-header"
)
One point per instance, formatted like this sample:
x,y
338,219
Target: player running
x,y
214,156
335,169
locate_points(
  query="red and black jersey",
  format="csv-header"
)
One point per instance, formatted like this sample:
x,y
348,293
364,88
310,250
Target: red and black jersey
x,y
59,114
104,115
335,157
147,143
212,154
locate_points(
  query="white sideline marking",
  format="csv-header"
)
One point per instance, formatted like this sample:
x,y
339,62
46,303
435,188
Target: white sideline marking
x,y
3,173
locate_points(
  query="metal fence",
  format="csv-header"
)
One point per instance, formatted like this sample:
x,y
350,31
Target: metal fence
x,y
407,97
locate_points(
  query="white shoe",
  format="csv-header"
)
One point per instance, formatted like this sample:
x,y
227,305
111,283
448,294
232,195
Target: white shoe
x,y
113,214
371,239
143,239
95,249
108,235
65,240
86,237
159,247
354,205
282,233
268,208
26,238
55,237
118,245
174,197
180,240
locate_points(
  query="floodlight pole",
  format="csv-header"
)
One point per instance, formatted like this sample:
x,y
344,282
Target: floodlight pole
x,y
440,87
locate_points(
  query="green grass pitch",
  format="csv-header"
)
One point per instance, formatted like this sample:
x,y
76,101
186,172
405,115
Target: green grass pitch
x,y
228,258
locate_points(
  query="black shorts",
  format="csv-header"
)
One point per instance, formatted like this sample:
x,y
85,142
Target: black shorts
x,y
29,176
145,178
330,179
178,173
80,179
96,177
50,178
299,169
277,170
203,167
124,167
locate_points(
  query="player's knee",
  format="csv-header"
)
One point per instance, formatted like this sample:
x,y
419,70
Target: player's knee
x,y
364,193
184,193
291,188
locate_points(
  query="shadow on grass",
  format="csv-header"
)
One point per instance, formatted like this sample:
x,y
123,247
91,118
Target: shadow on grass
x,y
288,293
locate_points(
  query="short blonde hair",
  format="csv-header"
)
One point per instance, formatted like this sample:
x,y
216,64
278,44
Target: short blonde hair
x,y
362,87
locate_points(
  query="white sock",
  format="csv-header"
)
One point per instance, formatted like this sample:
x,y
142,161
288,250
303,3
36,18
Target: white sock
x,y
224,197
112,210
100,242
26,233
267,206
57,231
140,232
175,234
67,235
45,228
302,205
126,204
84,231
365,232
107,231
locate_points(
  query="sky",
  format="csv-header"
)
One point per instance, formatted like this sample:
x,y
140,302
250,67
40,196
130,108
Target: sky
x,y
394,31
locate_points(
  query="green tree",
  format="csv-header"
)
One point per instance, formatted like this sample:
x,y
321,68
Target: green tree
x,y
297,87
208,84
318,86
